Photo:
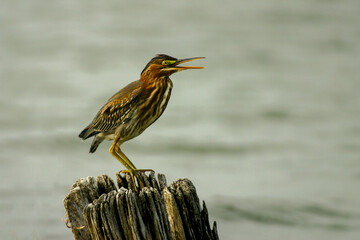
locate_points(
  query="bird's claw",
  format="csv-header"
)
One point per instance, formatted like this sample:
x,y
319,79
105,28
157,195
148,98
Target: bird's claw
x,y
135,173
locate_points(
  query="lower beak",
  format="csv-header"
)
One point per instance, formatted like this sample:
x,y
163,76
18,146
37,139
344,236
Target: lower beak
x,y
187,60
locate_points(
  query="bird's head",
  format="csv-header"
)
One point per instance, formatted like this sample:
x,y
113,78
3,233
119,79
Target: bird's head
x,y
163,66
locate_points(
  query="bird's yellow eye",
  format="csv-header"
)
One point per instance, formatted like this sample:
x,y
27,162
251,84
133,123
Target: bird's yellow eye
x,y
164,63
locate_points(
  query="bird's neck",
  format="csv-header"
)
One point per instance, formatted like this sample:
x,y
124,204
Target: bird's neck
x,y
154,79
152,75
155,96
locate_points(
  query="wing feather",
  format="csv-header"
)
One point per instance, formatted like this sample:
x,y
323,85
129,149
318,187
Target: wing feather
x,y
118,108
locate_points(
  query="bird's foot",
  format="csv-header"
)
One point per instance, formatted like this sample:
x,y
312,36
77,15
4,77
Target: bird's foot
x,y
135,173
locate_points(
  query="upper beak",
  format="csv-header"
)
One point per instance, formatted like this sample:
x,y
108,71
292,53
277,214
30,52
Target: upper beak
x,y
187,60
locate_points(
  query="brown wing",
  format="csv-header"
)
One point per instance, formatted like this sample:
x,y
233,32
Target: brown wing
x,y
118,108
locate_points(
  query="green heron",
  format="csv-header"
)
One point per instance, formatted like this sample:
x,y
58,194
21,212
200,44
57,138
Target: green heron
x,y
134,108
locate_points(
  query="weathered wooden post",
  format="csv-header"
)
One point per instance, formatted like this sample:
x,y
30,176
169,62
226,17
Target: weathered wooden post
x,y
96,209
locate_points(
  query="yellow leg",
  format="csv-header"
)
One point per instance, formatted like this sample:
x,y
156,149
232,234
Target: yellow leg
x,y
131,169
113,152
134,170
124,157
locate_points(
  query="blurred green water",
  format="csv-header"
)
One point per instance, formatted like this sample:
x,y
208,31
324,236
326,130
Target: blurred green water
x,y
269,132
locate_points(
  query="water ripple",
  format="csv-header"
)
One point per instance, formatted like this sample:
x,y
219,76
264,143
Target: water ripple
x,y
308,215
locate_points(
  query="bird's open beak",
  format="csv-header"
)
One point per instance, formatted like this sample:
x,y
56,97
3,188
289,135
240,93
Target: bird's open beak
x,y
187,60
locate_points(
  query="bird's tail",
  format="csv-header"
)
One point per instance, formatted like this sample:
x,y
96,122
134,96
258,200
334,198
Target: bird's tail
x,y
87,132
95,143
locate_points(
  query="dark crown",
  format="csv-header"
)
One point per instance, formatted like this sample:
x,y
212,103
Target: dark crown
x,y
157,58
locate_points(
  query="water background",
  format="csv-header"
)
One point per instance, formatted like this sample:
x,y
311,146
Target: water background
x,y
269,133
